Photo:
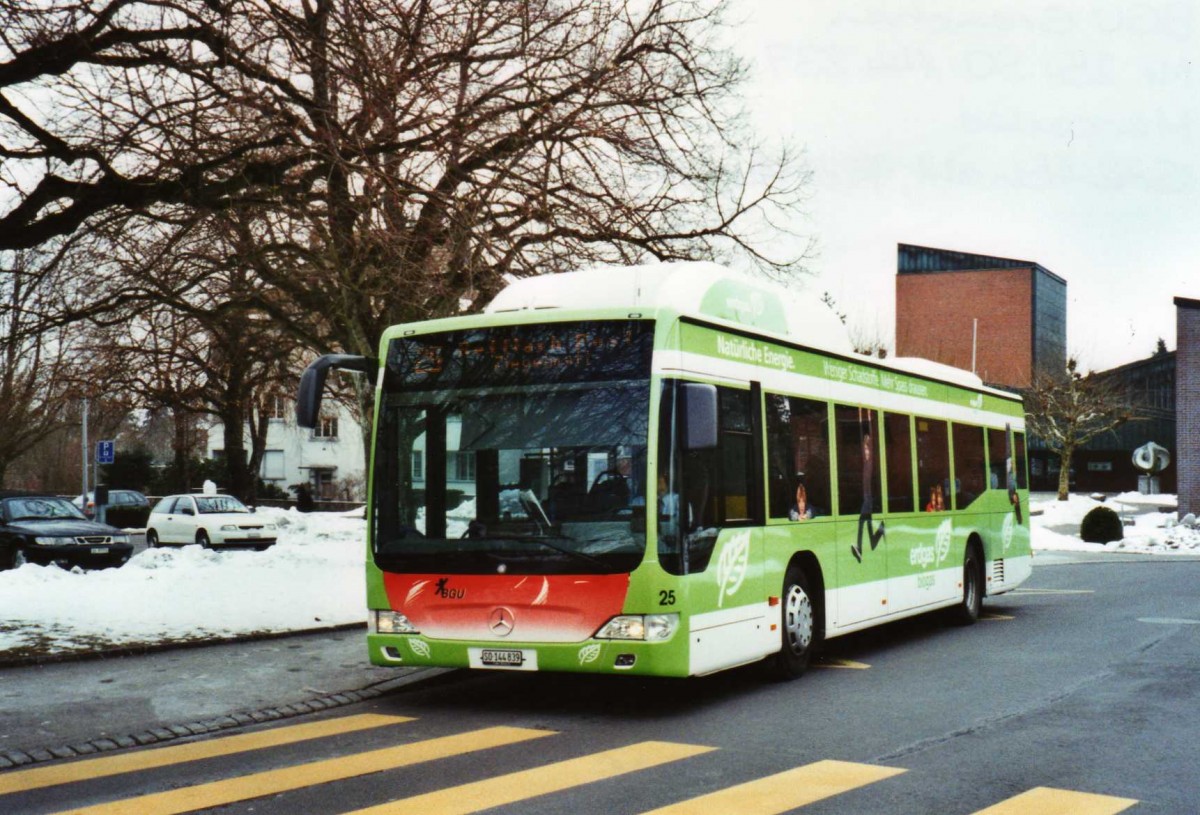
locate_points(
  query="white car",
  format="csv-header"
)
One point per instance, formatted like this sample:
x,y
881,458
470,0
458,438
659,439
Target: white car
x,y
209,520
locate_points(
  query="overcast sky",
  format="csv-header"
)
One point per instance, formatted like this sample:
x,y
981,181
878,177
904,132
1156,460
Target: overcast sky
x,y
1065,133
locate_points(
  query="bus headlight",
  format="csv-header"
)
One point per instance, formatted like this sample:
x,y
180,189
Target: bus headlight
x,y
649,627
393,622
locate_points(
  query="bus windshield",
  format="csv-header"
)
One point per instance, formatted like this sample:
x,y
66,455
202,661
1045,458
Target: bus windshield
x,y
530,459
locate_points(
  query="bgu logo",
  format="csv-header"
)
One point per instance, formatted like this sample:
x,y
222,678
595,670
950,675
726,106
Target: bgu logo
x,y
445,592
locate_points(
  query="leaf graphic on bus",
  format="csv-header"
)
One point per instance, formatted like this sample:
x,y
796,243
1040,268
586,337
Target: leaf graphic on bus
x,y
589,653
944,534
732,565
419,647
1006,531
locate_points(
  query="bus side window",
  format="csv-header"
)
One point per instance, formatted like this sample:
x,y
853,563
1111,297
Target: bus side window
x,y
898,446
933,464
997,472
858,461
970,469
1019,446
798,456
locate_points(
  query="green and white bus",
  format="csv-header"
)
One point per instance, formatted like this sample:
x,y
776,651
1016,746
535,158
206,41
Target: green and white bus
x,y
671,470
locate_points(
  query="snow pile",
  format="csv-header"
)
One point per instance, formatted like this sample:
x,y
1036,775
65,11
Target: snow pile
x,y
311,578
1153,530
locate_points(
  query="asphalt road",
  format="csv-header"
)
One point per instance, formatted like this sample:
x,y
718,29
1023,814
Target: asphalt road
x,y
1078,694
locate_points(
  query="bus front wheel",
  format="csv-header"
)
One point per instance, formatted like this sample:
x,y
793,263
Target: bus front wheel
x,y
797,627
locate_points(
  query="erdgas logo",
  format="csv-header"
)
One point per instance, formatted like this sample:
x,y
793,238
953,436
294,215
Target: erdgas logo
x,y
419,647
935,553
732,565
589,653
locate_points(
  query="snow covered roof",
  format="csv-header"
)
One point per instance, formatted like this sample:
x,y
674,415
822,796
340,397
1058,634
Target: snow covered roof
x,y
698,289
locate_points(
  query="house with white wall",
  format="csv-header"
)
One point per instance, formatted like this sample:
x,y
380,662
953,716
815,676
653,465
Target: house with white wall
x,y
326,458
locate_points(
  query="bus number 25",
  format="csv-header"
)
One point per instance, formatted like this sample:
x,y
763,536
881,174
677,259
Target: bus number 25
x,y
666,597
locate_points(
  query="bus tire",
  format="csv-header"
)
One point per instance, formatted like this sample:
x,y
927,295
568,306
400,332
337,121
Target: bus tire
x,y
968,609
797,627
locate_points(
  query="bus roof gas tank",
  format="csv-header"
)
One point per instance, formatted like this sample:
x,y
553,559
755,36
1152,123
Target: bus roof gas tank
x,y
698,289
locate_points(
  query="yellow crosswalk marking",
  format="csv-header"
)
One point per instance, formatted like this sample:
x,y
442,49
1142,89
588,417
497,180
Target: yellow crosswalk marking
x,y
785,791
520,786
271,782
1047,801
125,762
835,662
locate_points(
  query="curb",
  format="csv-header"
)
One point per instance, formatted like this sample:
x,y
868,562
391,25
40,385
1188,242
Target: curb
x,y
158,647
165,733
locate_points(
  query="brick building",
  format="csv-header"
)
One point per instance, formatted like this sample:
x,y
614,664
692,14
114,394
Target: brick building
x,y
1012,314
1187,403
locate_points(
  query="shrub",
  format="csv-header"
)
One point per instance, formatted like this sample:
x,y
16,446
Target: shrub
x,y
1101,525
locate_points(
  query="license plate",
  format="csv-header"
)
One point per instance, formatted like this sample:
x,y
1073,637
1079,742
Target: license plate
x,y
99,550
505,658
512,659
254,533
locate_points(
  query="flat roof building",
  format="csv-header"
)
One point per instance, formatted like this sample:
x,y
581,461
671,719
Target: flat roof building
x,y
1002,318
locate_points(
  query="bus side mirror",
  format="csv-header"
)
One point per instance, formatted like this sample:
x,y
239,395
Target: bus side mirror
x,y
699,413
312,383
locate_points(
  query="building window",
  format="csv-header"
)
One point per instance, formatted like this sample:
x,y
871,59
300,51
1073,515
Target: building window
x,y
272,465
464,466
327,428
418,465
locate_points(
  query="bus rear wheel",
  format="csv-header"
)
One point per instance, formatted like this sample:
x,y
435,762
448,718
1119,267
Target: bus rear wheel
x,y
969,608
797,627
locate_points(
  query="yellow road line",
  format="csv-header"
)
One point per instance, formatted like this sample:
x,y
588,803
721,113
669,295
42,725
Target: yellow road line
x,y
1053,591
126,762
834,662
1047,801
520,786
271,782
785,791
988,615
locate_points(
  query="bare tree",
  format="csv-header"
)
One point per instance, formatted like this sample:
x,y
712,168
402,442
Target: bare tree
x,y
397,156
39,367
1067,410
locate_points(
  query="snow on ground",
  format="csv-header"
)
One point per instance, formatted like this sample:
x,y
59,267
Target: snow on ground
x,y
314,577
1154,531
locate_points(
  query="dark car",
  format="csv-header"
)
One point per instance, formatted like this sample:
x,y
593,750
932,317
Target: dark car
x,y
46,529
126,509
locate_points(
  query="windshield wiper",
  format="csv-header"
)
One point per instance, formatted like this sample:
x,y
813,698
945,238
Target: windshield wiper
x,y
542,539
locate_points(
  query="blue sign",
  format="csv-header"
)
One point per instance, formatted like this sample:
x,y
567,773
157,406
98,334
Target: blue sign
x,y
106,452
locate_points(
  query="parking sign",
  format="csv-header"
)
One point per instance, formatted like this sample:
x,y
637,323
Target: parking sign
x,y
105,452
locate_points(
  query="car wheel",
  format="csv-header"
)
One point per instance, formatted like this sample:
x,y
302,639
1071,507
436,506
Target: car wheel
x,y
13,559
202,539
262,547
968,609
151,539
797,627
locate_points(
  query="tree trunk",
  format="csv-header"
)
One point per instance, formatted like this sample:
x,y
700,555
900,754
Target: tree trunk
x,y
235,452
1064,475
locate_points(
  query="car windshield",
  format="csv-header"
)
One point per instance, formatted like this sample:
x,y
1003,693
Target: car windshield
x,y
210,504
41,509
